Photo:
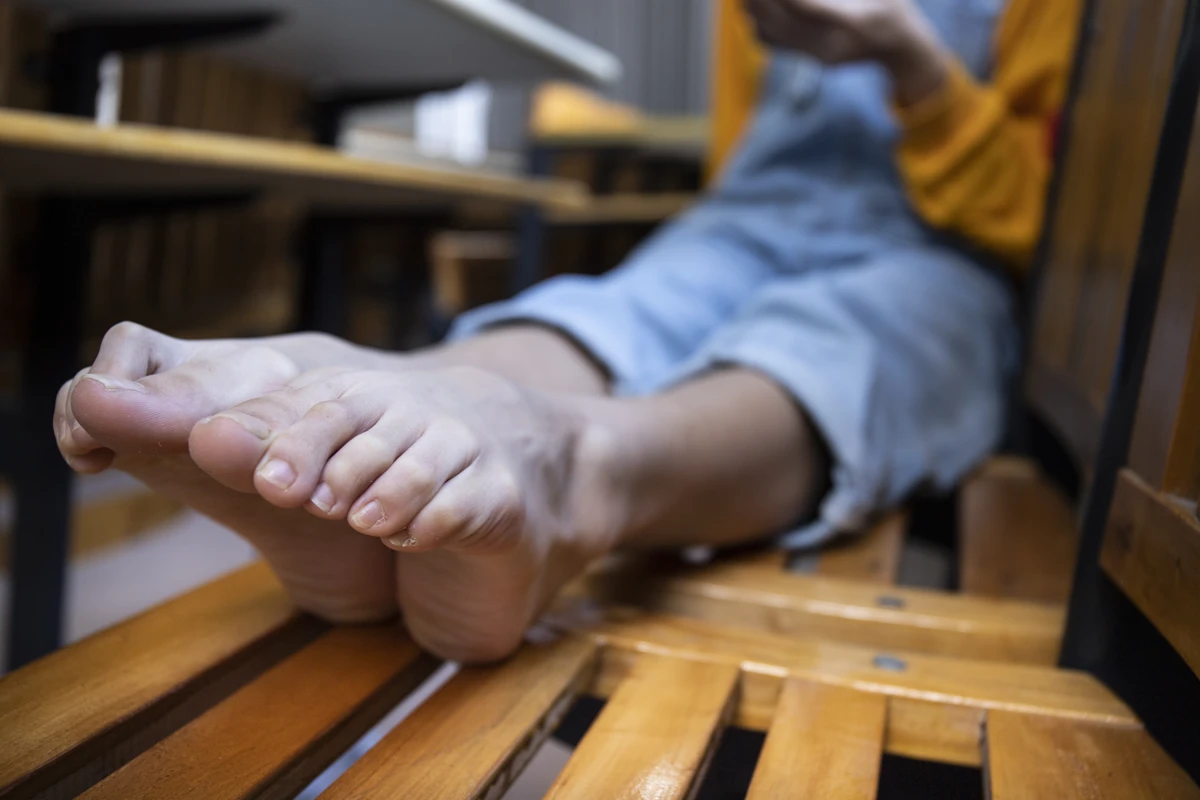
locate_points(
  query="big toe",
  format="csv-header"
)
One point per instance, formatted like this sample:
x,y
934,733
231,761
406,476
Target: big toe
x,y
229,446
155,415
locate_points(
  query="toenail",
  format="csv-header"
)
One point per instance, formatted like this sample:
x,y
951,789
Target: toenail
x,y
278,473
402,540
323,498
253,425
370,515
112,384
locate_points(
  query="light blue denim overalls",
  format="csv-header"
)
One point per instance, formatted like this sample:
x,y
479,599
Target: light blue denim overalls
x,y
807,263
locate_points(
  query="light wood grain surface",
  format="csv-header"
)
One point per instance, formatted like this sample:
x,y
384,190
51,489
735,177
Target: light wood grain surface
x,y
766,598
1152,550
46,152
921,689
654,736
475,734
825,741
873,556
66,713
1039,758
1018,536
276,734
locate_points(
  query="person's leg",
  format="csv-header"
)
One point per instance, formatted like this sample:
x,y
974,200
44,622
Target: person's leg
x,y
495,496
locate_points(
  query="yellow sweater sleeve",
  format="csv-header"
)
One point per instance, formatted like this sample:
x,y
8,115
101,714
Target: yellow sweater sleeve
x,y
976,159
738,64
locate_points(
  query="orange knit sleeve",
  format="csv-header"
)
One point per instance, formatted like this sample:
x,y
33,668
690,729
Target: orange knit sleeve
x,y
976,159
738,64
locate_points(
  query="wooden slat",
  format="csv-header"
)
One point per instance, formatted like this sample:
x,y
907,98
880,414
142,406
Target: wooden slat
x,y
45,152
1152,550
1017,535
824,742
625,208
277,733
77,714
935,703
1037,758
655,734
768,599
473,737
873,557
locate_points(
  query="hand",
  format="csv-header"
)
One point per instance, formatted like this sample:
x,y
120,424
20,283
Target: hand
x,y
894,33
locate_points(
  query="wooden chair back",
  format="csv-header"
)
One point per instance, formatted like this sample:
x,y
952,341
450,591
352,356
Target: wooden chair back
x,y
1135,617
1110,138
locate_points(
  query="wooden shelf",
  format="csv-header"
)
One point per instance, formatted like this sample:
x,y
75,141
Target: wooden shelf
x,y
43,152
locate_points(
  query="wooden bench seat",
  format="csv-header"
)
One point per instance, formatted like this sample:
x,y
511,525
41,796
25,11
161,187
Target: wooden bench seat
x,y
848,593
135,711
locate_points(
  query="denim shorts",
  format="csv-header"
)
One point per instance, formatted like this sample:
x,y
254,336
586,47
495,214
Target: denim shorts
x,y
900,353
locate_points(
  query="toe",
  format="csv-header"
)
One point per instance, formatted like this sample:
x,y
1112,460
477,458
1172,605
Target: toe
x,y
392,501
81,452
134,351
228,446
233,445
478,510
290,470
155,414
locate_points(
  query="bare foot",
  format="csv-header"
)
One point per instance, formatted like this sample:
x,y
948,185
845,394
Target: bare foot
x,y
493,496
134,410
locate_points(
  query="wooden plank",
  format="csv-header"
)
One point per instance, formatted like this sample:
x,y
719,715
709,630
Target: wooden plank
x,y
921,689
1017,535
1039,758
277,733
1152,550
45,152
824,742
873,557
655,734
624,208
768,599
81,712
475,735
